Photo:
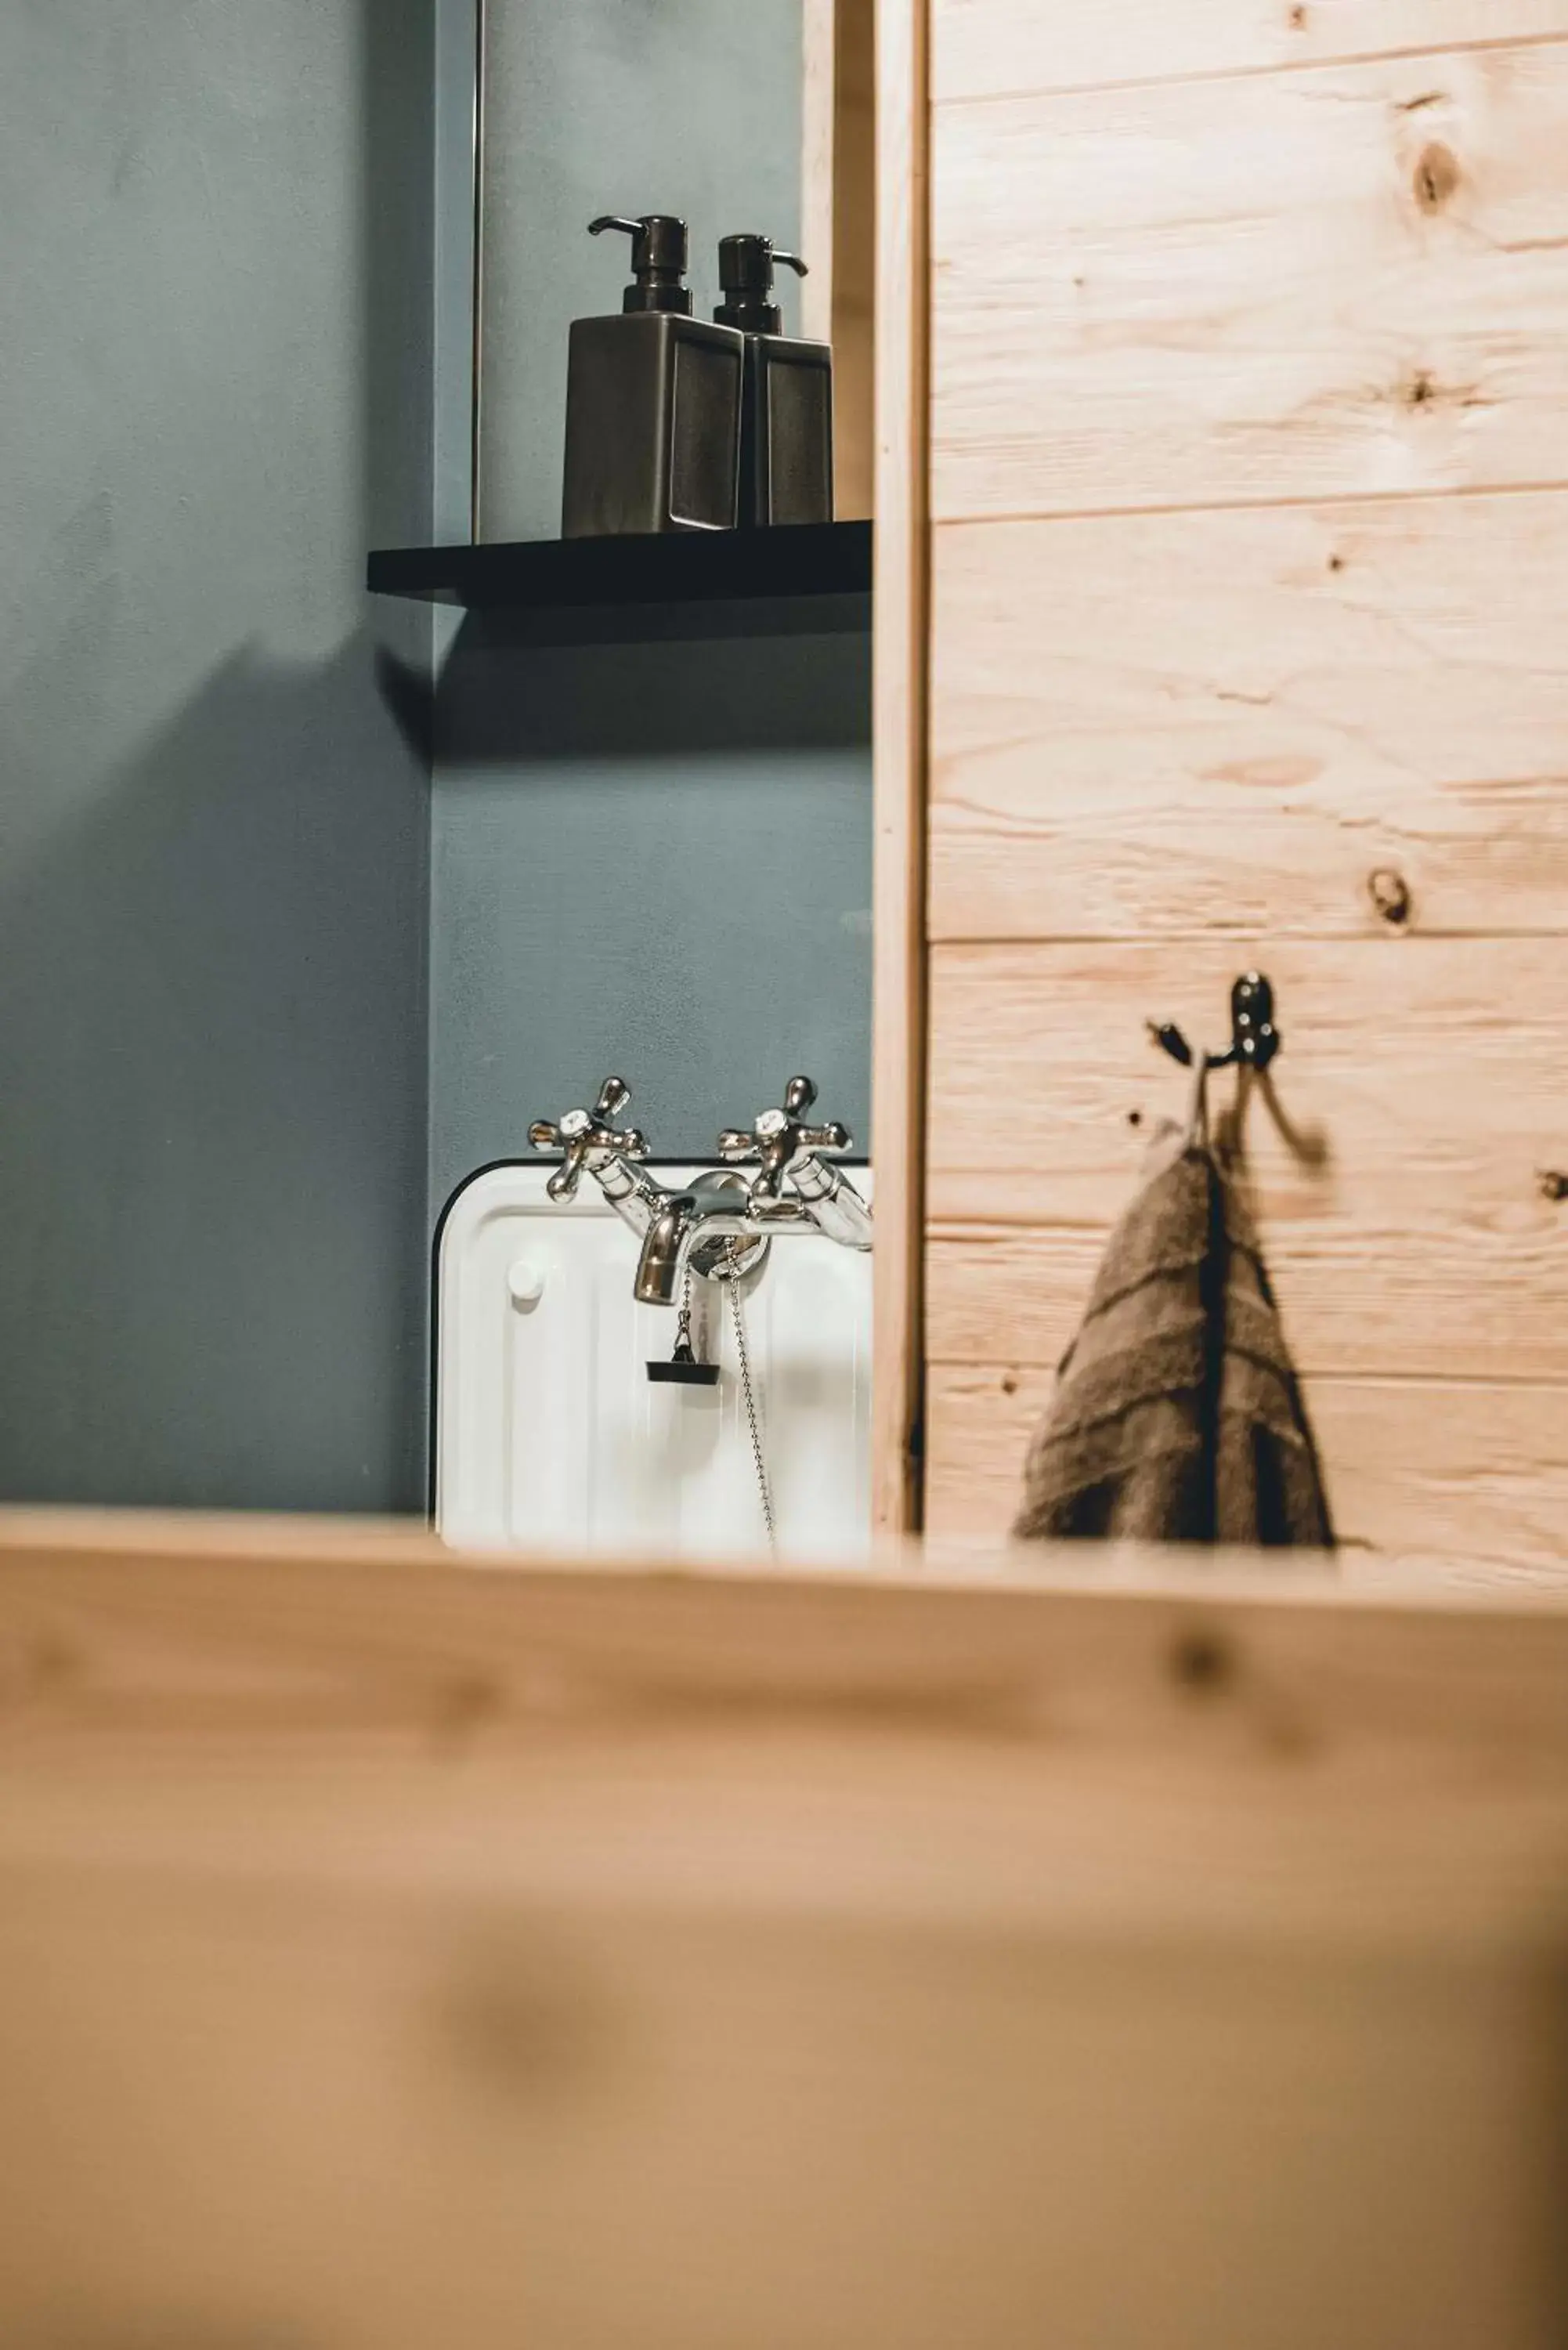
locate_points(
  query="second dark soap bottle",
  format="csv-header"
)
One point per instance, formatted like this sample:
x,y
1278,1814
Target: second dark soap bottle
x,y
787,399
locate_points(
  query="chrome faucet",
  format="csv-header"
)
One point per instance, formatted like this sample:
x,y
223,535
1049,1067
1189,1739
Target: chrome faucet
x,y
719,1225
588,1139
789,1153
712,1227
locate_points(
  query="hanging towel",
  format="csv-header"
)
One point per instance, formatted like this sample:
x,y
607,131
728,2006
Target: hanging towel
x,y
1177,1414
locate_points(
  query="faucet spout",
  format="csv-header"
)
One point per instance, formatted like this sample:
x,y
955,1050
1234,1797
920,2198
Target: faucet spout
x,y
719,1225
665,1250
691,1232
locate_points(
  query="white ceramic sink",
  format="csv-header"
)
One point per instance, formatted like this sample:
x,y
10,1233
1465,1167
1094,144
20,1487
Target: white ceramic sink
x,y
549,1433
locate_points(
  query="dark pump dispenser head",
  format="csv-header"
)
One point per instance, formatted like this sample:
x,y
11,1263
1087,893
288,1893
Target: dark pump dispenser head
x,y
659,257
746,266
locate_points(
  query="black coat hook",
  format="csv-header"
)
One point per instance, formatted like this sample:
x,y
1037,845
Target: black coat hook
x,y
1254,1039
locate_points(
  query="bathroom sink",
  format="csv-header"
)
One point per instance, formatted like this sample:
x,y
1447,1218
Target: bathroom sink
x,y
550,1433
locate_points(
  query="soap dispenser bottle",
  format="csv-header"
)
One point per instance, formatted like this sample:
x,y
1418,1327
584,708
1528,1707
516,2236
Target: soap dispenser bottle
x,y
653,402
786,424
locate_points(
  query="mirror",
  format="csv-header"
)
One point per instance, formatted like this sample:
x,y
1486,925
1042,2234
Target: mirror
x,y
314,900
756,119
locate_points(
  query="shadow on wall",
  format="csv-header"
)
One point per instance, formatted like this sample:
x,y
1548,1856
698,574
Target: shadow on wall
x,y
653,857
213,1295
215,298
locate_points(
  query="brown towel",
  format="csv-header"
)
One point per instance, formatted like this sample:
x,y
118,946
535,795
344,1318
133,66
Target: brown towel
x,y
1177,1416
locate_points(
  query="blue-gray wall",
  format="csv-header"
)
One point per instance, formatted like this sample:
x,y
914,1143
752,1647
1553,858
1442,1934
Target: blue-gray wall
x,y
650,857
214,327
655,860
229,1085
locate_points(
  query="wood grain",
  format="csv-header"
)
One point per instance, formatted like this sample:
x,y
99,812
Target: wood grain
x,y
854,333
818,101
1173,725
1349,281
1385,1300
483,1730
838,232
991,49
899,761
397,1957
1426,1083
332,2120
1437,1465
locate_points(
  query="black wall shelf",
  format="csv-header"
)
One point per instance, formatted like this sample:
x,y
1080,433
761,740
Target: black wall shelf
x,y
830,558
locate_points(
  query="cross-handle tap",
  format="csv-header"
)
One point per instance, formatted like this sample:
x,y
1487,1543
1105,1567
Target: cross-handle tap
x,y
586,1138
785,1151
781,1142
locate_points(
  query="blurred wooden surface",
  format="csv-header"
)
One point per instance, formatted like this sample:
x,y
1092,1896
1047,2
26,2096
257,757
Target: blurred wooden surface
x,y
396,1952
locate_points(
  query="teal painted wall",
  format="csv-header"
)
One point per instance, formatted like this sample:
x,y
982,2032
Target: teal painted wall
x,y
650,857
216,318
264,1001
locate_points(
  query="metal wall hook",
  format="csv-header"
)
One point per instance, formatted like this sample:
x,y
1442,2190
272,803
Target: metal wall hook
x,y
1254,1039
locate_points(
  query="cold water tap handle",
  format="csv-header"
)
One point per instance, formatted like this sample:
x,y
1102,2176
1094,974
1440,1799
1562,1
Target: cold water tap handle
x,y
584,1135
781,1142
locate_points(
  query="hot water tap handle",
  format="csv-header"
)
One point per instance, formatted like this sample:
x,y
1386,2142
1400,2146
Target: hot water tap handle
x,y
581,1135
780,1142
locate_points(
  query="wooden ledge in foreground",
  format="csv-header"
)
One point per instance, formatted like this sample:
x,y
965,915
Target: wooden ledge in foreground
x,y
398,1951
359,1692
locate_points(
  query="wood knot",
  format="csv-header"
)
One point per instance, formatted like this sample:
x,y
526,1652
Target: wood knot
x,y
1202,1661
1336,562
465,1705
1390,894
1553,1185
1422,390
1298,17
1437,176
1009,1383
519,2019
35,1670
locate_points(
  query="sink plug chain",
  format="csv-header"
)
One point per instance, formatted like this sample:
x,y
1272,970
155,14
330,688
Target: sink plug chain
x,y
749,1398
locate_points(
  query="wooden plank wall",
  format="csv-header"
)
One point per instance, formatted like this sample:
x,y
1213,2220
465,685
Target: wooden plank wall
x,y
1250,610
